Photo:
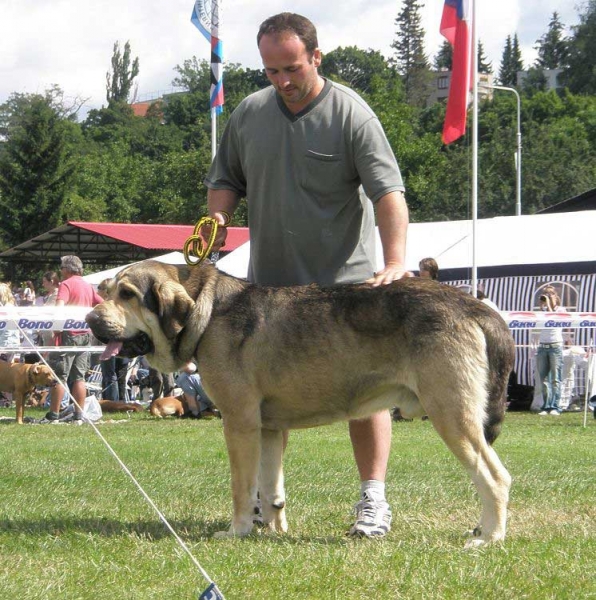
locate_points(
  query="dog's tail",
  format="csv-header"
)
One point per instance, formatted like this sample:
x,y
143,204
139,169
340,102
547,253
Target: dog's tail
x,y
500,351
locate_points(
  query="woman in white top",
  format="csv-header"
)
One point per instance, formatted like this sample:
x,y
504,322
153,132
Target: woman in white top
x,y
549,357
9,338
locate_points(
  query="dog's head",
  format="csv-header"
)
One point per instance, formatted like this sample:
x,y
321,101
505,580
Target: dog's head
x,y
42,376
148,307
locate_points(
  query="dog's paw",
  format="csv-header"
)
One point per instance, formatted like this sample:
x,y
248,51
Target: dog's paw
x,y
221,535
232,533
474,543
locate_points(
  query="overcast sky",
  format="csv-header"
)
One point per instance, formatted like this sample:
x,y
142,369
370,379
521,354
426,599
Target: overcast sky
x,y
70,42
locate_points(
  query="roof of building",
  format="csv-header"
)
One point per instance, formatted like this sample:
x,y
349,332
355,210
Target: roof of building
x,y
110,243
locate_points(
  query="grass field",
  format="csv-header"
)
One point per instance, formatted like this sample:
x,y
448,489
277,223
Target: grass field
x,y
73,526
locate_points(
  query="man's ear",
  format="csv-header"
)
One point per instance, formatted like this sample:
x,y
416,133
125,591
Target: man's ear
x,y
317,57
173,307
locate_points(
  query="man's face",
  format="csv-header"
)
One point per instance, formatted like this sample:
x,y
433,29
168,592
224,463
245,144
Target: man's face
x,y
291,70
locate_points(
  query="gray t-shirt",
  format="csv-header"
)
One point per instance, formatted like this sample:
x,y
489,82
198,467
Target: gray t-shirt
x,y
306,178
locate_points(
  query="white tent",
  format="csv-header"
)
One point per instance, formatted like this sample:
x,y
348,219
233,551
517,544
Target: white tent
x,y
539,243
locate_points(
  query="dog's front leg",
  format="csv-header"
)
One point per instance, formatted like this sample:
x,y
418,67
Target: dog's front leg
x,y
19,400
244,451
273,497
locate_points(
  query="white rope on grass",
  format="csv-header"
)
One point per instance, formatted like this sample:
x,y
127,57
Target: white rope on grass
x,y
127,471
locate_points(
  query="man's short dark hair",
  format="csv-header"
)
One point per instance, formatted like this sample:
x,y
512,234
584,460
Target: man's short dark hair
x,y
290,23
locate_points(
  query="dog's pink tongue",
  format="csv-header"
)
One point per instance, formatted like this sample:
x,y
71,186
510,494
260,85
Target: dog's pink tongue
x,y
112,348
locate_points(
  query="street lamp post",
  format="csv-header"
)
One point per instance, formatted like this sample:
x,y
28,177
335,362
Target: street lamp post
x,y
518,156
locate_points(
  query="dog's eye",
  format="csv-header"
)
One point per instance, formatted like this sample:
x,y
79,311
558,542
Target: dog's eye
x,y
126,294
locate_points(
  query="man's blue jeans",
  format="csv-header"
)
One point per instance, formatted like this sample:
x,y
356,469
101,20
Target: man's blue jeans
x,y
549,362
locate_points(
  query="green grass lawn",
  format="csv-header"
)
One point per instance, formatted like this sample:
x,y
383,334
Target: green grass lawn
x,y
73,526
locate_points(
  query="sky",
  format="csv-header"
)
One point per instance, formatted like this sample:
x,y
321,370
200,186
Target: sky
x,y
70,42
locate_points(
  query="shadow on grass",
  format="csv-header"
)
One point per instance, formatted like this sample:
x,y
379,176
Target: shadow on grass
x,y
153,530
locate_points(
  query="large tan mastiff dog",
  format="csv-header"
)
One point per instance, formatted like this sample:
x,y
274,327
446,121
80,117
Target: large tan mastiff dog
x,y
283,358
20,379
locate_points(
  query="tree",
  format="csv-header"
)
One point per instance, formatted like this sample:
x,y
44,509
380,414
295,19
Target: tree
x,y
410,58
354,67
484,66
552,47
444,58
37,165
119,81
580,75
511,62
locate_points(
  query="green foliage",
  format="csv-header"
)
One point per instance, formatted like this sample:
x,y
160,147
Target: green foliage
x,y
119,81
37,166
552,47
580,75
355,68
511,62
115,166
410,58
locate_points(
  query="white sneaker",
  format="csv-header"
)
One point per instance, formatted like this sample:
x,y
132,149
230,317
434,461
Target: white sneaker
x,y
373,518
542,413
555,413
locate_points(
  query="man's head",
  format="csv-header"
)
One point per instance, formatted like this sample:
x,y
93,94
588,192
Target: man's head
x,y
71,265
429,269
290,24
289,49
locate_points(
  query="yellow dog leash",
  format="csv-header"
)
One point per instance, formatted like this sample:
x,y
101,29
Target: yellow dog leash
x,y
195,247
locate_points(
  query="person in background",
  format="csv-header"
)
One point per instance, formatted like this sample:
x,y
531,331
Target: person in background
x,y
429,269
313,162
114,370
9,338
72,291
189,381
484,298
28,294
549,357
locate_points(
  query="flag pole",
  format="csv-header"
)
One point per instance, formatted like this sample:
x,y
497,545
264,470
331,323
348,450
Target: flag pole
x,y
213,132
474,59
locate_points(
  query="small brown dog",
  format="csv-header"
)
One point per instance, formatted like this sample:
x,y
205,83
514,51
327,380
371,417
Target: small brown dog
x,y
112,406
20,379
165,407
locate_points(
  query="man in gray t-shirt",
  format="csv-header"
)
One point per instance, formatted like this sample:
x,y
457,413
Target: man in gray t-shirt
x,y
313,162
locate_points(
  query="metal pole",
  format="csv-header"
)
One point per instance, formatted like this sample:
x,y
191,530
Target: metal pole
x,y
473,56
518,150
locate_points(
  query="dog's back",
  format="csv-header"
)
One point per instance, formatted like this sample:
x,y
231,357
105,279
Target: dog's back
x,y
168,406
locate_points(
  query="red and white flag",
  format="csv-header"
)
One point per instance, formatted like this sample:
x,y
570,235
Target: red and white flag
x,y
456,27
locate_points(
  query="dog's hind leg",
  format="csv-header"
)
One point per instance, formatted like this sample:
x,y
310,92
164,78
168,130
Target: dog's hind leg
x,y
244,451
271,481
463,433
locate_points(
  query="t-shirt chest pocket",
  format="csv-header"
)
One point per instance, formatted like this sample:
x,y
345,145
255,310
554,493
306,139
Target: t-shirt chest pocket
x,y
323,173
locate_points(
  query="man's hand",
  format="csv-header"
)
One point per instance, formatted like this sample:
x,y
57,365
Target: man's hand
x,y
222,232
388,275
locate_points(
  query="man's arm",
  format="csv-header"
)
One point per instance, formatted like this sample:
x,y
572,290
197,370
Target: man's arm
x,y
219,201
392,220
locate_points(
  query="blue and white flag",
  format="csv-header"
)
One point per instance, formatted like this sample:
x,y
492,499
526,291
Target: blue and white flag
x,y
205,17
211,593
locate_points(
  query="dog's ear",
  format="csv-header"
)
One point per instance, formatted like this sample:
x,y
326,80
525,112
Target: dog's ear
x,y
36,368
173,307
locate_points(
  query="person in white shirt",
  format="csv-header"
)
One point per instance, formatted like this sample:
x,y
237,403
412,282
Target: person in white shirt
x,y
549,357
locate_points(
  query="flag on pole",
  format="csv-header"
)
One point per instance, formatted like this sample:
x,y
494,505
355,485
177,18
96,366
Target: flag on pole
x,y
211,593
456,27
205,16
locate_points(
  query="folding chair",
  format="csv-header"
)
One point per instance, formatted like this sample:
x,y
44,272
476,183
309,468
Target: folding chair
x,y
93,382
